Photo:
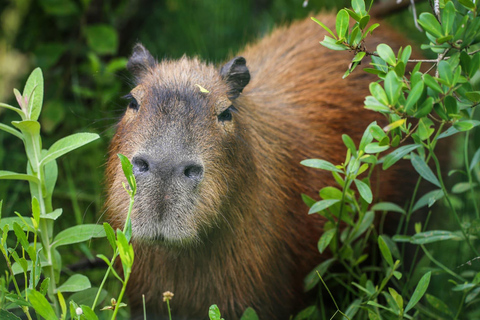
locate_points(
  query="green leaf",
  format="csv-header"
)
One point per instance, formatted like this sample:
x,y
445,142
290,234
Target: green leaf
x,y
306,199
11,130
353,308
407,52
324,27
386,53
126,252
379,93
349,144
423,170
451,105
428,199
102,38
322,205
359,56
448,17
341,24
414,95
367,137
364,190
41,305
475,159
371,28
34,92
387,255
5,315
21,237
388,206
433,236
393,87
467,4
320,164
466,125
53,215
78,234
430,24
394,125
372,103
127,168
75,283
353,15
325,239
398,154
249,314
59,7
374,147
332,44
359,6
473,96
89,313
18,176
44,286
364,21
425,108
68,144
312,278
17,110
438,304
445,71
449,132
432,83
462,187
419,291
361,227
425,128
110,235
214,312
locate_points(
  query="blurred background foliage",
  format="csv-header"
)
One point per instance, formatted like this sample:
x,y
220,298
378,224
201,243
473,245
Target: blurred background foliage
x,y
82,47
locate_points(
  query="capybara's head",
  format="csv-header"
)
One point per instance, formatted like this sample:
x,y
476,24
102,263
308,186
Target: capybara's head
x,y
184,133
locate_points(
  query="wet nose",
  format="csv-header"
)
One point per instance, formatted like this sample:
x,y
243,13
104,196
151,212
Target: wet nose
x,y
187,170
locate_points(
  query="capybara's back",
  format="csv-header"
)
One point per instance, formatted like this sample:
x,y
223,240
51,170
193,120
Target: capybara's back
x,y
218,217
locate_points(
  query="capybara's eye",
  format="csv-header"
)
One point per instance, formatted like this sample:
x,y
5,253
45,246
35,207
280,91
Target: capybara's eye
x,y
133,102
226,115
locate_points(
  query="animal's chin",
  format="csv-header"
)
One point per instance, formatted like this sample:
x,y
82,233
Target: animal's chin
x,y
164,229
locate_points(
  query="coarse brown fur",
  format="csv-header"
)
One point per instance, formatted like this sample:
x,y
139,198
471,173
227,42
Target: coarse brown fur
x,y
243,238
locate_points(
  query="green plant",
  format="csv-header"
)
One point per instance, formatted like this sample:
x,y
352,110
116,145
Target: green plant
x,y
41,257
421,108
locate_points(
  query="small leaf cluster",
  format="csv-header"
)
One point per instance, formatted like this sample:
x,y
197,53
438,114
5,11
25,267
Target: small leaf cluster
x,y
424,104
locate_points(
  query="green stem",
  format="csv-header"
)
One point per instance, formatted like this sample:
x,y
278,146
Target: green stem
x,y
169,311
45,226
124,287
130,207
441,265
457,219
469,174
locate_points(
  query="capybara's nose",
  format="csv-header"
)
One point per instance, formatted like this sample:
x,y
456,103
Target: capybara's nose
x,y
189,171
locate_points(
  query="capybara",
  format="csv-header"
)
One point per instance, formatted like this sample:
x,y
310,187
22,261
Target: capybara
x,y
218,217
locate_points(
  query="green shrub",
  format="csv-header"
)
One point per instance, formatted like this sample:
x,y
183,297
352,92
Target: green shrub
x,y
423,107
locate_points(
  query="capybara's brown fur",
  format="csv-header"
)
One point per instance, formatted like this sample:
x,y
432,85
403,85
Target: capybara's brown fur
x,y
218,217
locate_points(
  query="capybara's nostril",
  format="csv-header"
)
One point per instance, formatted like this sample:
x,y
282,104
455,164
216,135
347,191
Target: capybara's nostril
x,y
193,171
140,165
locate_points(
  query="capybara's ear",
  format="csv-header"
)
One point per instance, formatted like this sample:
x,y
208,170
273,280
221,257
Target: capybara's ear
x,y
237,76
140,61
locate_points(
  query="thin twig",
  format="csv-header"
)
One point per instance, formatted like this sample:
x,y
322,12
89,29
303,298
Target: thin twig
x,y
414,12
